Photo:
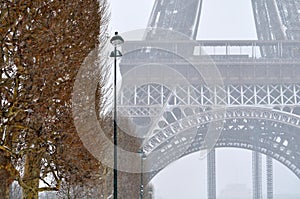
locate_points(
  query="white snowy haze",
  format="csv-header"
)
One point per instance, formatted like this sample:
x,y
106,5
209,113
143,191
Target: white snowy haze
x,y
185,178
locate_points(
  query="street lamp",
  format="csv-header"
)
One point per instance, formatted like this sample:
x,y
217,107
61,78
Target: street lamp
x,y
116,41
143,156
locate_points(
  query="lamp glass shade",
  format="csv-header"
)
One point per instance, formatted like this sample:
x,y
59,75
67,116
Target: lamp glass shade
x,y
115,53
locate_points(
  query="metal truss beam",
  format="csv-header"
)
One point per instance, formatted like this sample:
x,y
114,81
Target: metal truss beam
x,y
147,100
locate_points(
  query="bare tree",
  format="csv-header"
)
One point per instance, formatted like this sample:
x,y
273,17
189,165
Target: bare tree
x,y
43,43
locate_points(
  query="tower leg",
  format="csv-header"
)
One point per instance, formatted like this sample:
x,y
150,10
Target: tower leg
x,y
257,175
269,178
211,174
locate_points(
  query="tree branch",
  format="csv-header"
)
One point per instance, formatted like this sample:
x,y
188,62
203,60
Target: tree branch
x,y
6,149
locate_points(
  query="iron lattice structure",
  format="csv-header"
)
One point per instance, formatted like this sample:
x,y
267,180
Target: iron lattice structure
x,y
269,110
256,106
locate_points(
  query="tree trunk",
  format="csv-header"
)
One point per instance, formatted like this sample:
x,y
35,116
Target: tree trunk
x,y
31,176
5,177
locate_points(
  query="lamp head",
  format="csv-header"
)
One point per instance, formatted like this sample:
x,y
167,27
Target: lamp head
x,y
116,40
142,152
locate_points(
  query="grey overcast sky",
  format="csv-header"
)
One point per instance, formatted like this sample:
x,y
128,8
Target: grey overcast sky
x,y
185,178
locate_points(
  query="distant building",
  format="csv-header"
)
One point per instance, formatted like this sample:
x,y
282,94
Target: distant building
x,y
235,191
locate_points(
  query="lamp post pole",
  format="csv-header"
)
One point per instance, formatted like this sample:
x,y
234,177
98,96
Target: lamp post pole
x,y
115,130
116,40
142,173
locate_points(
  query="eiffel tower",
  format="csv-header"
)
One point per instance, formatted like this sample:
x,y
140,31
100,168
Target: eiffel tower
x,y
255,106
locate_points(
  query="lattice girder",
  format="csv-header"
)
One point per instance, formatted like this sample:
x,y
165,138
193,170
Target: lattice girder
x,y
147,100
273,138
163,133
